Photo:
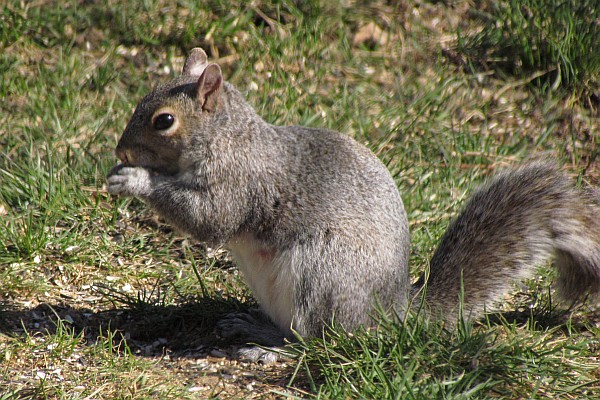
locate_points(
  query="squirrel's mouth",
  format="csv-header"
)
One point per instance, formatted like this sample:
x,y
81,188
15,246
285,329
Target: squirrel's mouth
x,y
163,169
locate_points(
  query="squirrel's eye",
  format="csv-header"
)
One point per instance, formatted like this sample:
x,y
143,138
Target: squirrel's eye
x,y
163,121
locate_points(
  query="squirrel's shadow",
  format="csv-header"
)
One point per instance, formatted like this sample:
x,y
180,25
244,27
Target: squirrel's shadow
x,y
184,330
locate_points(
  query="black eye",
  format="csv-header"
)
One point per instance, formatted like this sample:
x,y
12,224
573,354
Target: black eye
x,y
163,121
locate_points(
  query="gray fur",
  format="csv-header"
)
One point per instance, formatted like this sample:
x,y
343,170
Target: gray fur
x,y
313,218
515,222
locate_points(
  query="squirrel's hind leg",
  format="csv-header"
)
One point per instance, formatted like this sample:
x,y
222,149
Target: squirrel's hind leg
x,y
253,327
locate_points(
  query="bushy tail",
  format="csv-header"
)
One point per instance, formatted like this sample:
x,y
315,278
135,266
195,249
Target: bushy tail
x,y
515,222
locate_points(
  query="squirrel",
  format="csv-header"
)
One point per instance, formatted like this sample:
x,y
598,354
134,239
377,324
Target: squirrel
x,y
316,224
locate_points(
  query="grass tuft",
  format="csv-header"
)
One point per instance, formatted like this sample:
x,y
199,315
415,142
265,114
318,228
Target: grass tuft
x,y
417,358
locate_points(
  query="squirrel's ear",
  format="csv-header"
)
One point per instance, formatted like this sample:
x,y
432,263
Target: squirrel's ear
x,y
196,62
209,85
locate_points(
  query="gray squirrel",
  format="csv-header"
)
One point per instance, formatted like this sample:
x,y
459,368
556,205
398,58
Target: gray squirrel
x,y
315,222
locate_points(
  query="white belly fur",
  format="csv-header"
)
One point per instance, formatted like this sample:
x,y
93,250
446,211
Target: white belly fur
x,y
268,275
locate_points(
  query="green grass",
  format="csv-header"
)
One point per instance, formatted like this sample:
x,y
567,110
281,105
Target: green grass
x,y
98,299
533,356
552,44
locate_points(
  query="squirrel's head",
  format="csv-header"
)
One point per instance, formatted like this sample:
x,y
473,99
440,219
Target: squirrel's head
x,y
163,123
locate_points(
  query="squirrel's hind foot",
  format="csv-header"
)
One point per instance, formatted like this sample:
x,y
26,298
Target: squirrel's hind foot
x,y
253,328
261,355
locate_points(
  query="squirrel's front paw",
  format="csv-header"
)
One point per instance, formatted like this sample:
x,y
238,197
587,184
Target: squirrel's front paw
x,y
129,181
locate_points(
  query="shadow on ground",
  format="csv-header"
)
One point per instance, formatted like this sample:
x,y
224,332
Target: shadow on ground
x,y
185,330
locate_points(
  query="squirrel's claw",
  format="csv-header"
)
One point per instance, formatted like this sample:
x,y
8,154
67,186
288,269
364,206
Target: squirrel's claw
x,y
116,169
